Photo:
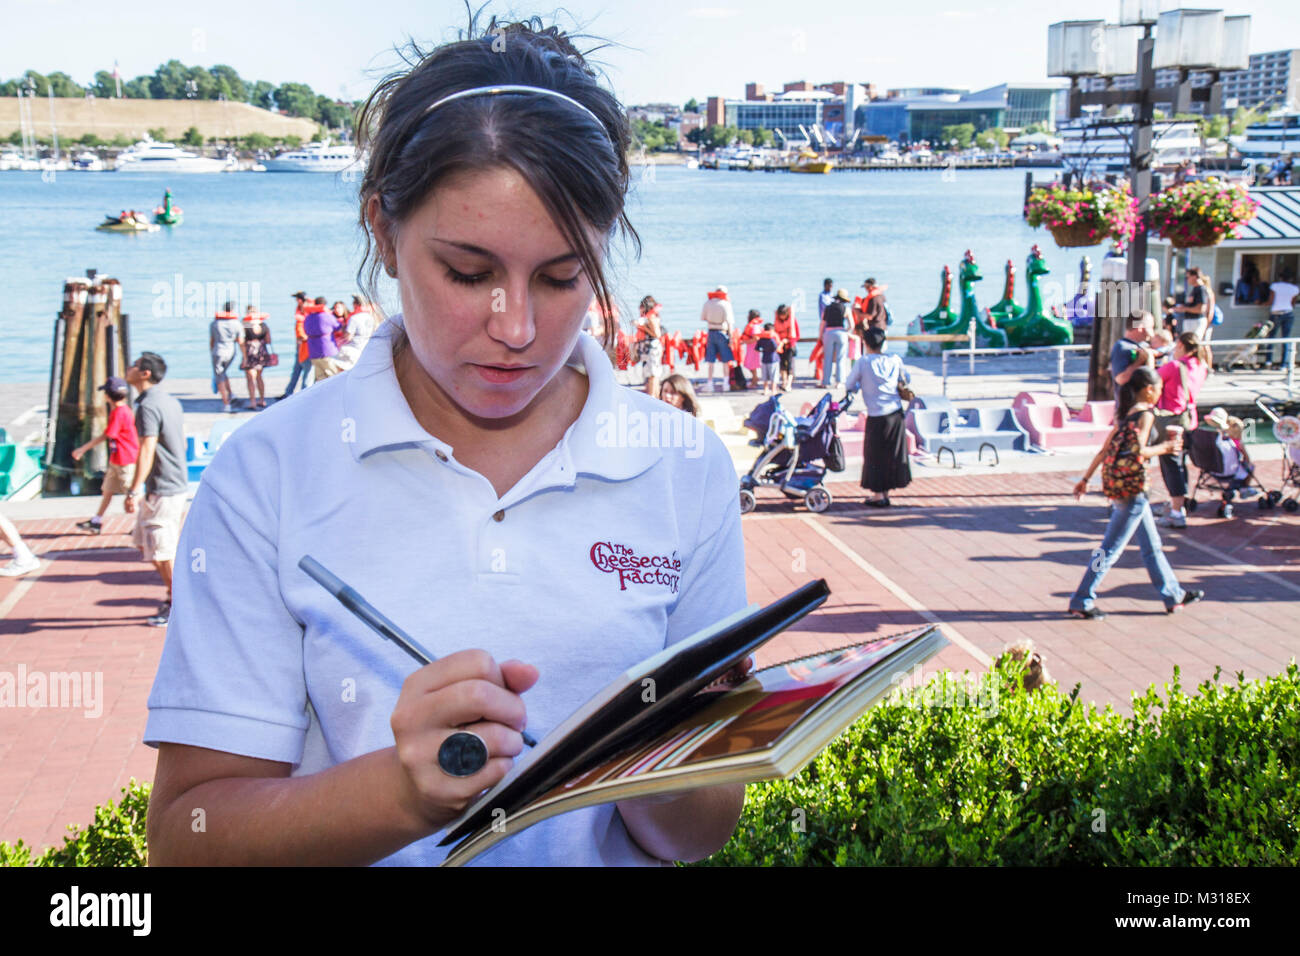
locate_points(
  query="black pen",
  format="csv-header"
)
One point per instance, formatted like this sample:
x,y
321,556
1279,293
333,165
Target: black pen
x,y
368,613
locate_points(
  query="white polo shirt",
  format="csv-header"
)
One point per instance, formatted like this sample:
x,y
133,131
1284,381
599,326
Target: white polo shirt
x,y
259,660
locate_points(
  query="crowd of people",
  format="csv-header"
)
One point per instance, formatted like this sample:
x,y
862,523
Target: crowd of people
x,y
328,340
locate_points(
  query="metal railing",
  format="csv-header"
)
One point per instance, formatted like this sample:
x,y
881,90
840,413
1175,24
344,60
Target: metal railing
x,y
1245,345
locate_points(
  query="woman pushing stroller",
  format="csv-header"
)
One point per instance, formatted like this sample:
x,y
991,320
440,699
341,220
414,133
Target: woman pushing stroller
x,y
1122,460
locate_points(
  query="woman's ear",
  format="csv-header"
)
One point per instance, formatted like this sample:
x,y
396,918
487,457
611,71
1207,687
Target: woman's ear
x,y
382,230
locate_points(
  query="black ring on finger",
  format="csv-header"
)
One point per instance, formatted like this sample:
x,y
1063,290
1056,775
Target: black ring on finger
x,y
463,754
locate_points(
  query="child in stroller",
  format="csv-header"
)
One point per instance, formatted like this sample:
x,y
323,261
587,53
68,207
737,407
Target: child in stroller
x,y
1224,464
796,452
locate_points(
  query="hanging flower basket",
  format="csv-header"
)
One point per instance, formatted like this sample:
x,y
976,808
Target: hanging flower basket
x,y
1084,217
1200,214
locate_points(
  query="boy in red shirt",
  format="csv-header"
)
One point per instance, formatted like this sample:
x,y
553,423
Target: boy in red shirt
x,y
123,450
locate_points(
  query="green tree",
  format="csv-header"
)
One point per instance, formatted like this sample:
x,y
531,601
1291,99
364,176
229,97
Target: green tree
x,y
333,114
992,139
1246,116
168,81
192,137
763,137
16,138
257,141
963,133
91,140
64,85
158,133
138,89
104,85
205,84
262,95
296,99
692,106
293,142
228,83
1035,128
120,141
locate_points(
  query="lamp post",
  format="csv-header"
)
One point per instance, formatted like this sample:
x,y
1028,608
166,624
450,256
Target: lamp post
x,y
1148,37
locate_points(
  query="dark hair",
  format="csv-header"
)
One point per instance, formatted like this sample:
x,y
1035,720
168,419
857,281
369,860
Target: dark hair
x,y
767,326
228,307
1143,376
782,309
828,281
871,282
647,304
753,314
152,363
874,338
576,166
680,384
1192,345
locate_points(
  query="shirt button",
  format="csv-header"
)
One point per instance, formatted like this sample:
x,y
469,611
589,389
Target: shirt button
x,y
439,455
499,516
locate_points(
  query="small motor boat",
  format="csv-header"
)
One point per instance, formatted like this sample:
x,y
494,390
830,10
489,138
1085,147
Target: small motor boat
x,y
116,224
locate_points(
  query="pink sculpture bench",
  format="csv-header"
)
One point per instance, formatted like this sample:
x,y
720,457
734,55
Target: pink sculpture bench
x,y
1047,419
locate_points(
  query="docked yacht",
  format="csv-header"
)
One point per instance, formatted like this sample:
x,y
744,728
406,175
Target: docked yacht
x,y
148,156
314,158
1096,148
87,162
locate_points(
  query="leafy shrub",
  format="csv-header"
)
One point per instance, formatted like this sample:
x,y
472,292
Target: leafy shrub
x,y
1203,779
116,838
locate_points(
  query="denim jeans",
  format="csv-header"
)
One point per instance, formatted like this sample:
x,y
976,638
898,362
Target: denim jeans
x,y
1128,518
835,349
302,368
1281,330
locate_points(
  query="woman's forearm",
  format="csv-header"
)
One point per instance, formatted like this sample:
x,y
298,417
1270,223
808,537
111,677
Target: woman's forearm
x,y
689,827
351,814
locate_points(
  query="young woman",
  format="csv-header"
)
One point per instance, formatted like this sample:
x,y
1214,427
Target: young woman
x,y
650,344
1123,460
460,477
678,391
257,354
1181,379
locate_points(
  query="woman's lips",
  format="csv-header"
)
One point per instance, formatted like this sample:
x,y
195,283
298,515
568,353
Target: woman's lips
x,y
501,375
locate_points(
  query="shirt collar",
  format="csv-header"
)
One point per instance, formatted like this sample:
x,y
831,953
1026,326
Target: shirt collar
x,y
381,418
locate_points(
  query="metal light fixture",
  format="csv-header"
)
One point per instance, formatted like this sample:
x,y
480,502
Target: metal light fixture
x,y
1074,47
1119,55
1188,40
1234,54
1142,12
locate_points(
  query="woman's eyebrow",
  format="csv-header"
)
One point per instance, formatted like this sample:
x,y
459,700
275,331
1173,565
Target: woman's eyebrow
x,y
479,250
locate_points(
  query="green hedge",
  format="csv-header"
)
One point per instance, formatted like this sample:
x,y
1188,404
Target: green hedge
x,y
116,838
1209,778
938,776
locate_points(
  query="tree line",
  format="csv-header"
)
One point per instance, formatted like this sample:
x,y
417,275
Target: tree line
x,y
174,80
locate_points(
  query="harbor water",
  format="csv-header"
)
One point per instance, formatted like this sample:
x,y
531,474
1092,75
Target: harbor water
x,y
770,238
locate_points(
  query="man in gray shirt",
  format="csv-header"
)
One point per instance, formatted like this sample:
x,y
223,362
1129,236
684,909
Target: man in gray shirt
x,y
161,469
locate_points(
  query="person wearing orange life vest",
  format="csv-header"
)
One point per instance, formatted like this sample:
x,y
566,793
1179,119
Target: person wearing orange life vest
x,y
302,365
225,341
786,328
257,355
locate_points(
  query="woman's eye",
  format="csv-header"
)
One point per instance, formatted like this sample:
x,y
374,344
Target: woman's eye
x,y
461,277
562,283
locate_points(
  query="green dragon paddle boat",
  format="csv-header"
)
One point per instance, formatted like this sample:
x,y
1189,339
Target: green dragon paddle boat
x,y
1035,325
941,321
167,214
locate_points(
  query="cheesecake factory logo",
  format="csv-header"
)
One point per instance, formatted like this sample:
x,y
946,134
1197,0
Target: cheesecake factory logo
x,y
633,568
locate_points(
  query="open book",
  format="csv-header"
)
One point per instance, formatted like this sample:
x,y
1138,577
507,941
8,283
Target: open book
x,y
681,720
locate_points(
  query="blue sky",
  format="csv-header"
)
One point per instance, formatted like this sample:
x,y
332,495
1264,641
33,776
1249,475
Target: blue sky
x,y
670,50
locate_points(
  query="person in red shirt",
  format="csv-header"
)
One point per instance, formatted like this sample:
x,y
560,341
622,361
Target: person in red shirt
x,y
123,450
303,364
786,327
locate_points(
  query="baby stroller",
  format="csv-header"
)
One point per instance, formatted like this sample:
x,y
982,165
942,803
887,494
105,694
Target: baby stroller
x,y
1210,452
1286,429
1247,355
797,452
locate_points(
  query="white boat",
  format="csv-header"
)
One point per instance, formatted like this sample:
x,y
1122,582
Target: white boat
x,y
148,156
314,158
1096,148
87,162
10,159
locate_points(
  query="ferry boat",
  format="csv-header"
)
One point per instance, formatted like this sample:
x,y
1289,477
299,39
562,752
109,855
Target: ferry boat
x,y
148,156
314,158
1095,148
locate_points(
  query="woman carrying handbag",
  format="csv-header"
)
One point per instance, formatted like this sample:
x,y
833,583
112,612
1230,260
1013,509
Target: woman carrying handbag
x,y
257,355
884,382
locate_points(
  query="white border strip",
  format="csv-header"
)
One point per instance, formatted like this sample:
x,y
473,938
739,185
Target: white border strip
x,y
952,633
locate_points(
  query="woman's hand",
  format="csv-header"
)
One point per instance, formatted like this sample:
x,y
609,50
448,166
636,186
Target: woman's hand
x,y
469,691
1080,488
78,452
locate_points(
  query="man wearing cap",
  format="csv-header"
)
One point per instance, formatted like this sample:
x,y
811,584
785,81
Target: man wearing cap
x,y
720,319
161,471
873,315
834,334
123,450
303,364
